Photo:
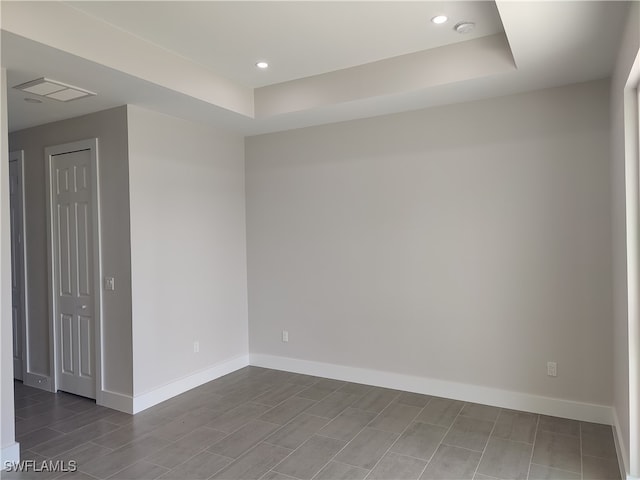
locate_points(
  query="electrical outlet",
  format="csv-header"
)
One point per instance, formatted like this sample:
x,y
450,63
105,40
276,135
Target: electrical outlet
x,y
196,347
285,336
552,369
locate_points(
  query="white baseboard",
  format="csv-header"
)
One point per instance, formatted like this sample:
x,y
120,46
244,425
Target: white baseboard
x,y
10,455
459,391
36,380
149,399
115,401
621,450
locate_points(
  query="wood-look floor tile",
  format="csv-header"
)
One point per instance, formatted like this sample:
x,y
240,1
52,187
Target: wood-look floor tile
x,y
367,448
287,410
420,440
297,431
186,447
506,459
469,433
254,464
395,418
333,404
276,425
452,462
542,472
237,443
348,424
200,467
413,399
557,451
600,468
341,471
398,467
516,426
440,411
563,426
309,459
140,470
376,399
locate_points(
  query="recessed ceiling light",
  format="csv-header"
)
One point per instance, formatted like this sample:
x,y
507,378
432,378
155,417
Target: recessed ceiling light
x,y
440,19
32,100
262,65
464,27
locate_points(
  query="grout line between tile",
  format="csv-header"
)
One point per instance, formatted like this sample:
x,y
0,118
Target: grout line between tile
x,y
581,466
413,420
554,468
443,437
535,437
270,471
292,452
486,444
347,444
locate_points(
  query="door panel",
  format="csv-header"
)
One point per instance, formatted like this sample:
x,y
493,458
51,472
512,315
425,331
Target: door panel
x,y
81,177
17,342
73,264
86,351
63,180
67,344
83,229
17,262
64,250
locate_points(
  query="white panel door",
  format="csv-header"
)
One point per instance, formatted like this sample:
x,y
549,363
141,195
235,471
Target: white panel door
x,y
71,184
17,261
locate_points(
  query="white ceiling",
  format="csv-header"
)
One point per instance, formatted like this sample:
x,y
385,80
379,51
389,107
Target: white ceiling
x,y
330,61
298,39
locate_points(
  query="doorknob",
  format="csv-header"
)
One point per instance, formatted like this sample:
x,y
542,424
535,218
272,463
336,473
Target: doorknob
x,y
83,307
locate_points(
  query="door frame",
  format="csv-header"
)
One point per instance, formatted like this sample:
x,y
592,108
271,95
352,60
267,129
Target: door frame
x,y
631,126
90,144
18,156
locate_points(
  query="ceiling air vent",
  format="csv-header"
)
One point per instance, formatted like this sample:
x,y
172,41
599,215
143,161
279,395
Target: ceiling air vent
x,y
62,92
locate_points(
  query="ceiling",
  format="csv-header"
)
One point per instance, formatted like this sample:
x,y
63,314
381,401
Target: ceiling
x,y
298,39
329,61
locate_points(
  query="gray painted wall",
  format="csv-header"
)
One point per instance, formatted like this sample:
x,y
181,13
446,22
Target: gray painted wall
x,y
469,243
110,127
188,248
7,425
628,50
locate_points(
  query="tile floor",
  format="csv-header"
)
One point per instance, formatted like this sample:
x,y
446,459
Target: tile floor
x,y
265,424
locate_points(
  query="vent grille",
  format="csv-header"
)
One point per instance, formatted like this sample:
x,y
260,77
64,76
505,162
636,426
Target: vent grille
x,y
45,87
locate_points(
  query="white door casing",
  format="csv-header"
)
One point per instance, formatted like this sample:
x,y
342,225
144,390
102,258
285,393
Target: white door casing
x,y
74,266
18,284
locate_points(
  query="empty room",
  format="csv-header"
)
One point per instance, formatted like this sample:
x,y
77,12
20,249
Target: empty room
x,y
320,240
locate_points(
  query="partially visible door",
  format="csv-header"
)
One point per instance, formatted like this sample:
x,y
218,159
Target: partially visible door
x,y
73,261
17,261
